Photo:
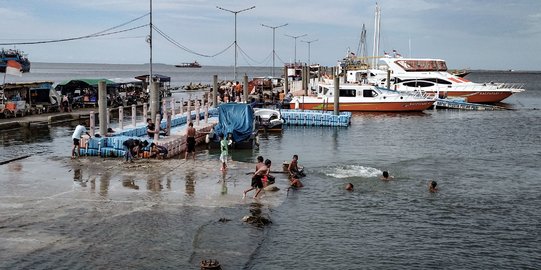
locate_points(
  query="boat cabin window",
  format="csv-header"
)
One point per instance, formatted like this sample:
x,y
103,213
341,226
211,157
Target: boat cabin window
x,y
369,93
323,90
438,81
348,93
418,84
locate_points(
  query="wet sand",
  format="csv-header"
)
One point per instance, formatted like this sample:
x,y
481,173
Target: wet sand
x,y
53,204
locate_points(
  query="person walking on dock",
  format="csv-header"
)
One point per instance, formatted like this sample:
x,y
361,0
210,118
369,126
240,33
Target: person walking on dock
x,y
190,141
79,130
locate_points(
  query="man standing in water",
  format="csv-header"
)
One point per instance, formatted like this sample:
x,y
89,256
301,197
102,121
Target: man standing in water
x,y
190,141
79,130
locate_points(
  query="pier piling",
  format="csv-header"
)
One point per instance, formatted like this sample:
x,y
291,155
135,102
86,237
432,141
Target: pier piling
x,y
336,95
92,123
102,107
121,117
245,88
133,115
215,91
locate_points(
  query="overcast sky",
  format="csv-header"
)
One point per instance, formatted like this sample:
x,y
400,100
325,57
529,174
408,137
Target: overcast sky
x,y
481,34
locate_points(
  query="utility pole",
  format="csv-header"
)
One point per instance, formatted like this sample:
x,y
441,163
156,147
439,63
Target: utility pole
x,y
296,37
235,12
149,40
309,42
273,38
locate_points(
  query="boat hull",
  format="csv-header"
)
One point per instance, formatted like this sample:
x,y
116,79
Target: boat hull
x,y
480,96
410,106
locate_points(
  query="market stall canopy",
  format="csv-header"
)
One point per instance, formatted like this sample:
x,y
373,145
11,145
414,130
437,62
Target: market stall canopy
x,y
161,78
85,82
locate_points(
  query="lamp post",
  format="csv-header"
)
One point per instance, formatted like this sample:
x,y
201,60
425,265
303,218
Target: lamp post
x,y
296,37
235,12
309,42
273,36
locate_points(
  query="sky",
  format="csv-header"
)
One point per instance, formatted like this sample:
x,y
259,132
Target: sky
x,y
480,34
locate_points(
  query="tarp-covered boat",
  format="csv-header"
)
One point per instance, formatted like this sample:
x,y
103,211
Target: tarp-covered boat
x,y
238,120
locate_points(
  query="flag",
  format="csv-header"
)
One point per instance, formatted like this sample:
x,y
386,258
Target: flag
x,y
14,68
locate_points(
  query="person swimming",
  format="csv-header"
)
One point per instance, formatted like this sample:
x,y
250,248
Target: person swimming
x,y
432,186
349,187
385,176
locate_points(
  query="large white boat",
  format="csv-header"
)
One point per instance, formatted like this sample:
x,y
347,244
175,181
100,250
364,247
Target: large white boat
x,y
362,97
431,76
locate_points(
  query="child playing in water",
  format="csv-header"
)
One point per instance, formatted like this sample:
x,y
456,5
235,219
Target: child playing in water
x,y
257,182
224,147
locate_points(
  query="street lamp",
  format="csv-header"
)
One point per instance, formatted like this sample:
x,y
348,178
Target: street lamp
x,y
273,51
296,37
309,42
235,12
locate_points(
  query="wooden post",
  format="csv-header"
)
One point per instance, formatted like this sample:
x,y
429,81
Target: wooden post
x,y
215,91
157,129
181,106
197,111
92,123
145,113
336,95
133,115
172,106
168,121
164,107
121,117
102,107
108,116
189,110
206,113
245,96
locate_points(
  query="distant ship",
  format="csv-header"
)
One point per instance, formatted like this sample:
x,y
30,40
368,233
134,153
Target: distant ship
x,y
194,64
17,55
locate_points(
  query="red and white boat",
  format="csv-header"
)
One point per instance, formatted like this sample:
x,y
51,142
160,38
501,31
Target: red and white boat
x,y
363,98
431,76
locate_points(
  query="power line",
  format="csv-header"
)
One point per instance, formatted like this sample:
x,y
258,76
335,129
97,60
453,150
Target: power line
x,y
75,38
257,62
177,44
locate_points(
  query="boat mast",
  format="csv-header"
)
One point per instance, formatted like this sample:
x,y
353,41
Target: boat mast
x,y
377,24
361,50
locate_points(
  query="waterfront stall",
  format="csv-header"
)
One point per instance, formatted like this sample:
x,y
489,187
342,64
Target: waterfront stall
x,y
130,91
22,98
84,92
163,81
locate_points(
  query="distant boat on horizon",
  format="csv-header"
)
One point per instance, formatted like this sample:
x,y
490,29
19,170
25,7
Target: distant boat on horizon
x,y
194,64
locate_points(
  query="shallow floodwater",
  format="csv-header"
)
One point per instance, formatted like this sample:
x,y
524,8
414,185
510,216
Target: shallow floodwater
x,y
104,214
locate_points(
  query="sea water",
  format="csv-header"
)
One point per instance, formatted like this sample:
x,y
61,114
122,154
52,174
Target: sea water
x,y
485,215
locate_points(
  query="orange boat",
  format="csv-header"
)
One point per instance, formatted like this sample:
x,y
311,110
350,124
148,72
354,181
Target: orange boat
x,y
362,98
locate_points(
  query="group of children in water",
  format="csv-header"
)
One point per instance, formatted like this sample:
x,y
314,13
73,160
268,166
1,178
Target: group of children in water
x,y
262,178
432,185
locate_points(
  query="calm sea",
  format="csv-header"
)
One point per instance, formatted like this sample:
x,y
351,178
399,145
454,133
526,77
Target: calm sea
x,y
486,215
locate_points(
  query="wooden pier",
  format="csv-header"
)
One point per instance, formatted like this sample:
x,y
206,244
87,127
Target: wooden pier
x,y
463,105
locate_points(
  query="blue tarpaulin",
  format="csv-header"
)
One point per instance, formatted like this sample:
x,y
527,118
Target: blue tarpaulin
x,y
237,119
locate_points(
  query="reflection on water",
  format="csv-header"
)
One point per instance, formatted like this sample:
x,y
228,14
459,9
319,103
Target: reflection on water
x,y
105,179
129,182
190,183
154,183
224,183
